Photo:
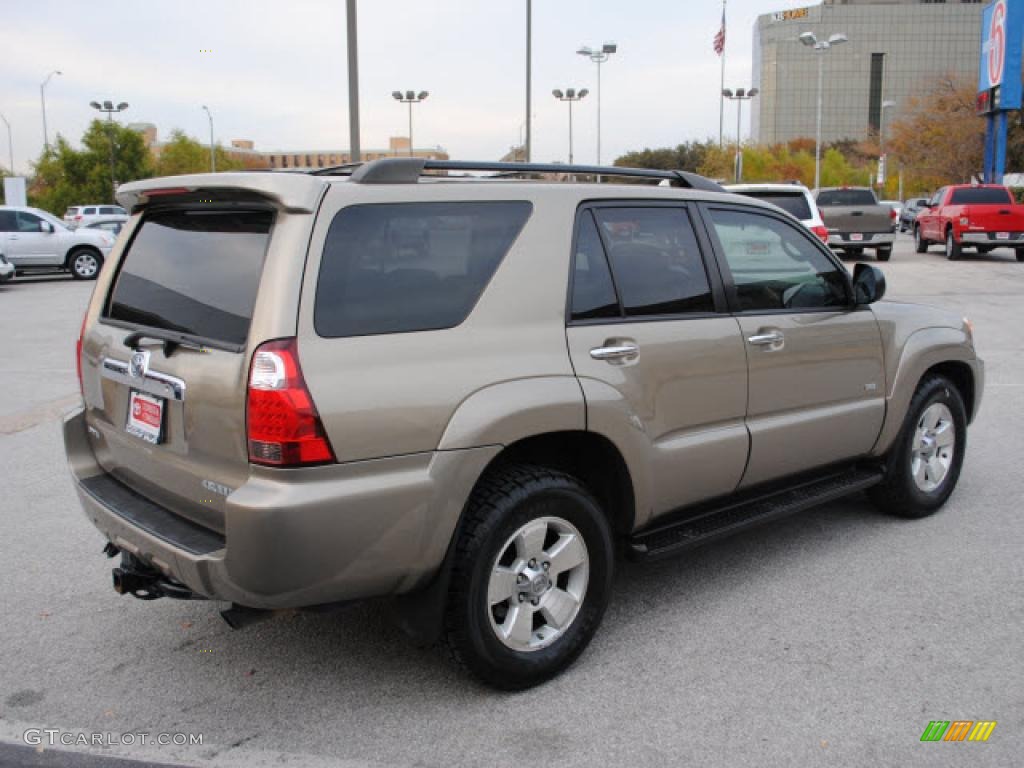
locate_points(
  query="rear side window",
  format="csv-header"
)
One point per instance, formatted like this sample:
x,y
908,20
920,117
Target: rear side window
x,y
194,272
593,293
846,197
655,259
793,203
980,196
410,266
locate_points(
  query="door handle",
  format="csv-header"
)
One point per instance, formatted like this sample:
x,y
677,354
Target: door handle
x,y
12,237
770,339
622,351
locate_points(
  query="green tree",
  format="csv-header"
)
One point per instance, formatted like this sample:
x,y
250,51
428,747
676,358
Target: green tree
x,y
65,176
688,156
183,154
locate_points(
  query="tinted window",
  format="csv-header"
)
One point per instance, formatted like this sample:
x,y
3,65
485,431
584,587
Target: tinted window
x,y
793,203
28,222
980,196
774,265
412,266
846,197
109,209
8,221
593,294
88,211
656,261
193,271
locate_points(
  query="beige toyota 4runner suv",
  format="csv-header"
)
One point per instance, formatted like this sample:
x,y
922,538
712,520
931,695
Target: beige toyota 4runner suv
x,y
468,387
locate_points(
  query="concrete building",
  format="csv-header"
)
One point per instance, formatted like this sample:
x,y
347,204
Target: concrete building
x,y
895,48
245,151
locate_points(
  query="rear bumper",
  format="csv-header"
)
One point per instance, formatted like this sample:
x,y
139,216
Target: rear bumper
x,y
293,538
871,240
990,238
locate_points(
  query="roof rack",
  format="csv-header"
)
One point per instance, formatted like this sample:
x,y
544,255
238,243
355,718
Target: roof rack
x,y
407,170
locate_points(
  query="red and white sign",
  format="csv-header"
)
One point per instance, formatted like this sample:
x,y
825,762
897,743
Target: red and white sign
x,y
996,44
145,417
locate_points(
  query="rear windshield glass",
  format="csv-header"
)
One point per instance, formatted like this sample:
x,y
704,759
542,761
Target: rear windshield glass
x,y
846,197
980,196
410,266
194,272
794,203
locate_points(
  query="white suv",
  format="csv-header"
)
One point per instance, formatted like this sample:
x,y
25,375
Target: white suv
x,y
794,199
32,240
80,215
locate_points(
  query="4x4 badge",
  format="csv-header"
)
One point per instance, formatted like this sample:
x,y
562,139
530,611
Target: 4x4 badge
x,y
139,363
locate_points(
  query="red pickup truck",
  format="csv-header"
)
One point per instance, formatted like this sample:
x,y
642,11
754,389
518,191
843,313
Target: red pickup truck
x,y
982,216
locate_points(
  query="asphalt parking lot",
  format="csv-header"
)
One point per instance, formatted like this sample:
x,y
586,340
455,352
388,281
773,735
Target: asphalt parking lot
x,y
831,638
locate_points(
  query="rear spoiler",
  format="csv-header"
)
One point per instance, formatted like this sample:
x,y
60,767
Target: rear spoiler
x,y
298,193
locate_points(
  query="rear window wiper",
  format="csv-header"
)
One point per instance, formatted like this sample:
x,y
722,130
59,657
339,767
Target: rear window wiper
x,y
171,341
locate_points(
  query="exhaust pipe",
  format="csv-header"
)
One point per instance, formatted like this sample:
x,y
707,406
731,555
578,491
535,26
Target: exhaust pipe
x,y
240,616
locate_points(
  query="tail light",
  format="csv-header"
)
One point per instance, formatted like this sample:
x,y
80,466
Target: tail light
x,y
964,221
78,354
893,214
821,231
283,427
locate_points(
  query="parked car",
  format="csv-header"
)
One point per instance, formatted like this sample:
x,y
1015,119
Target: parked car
x,y
111,224
79,215
794,199
6,269
33,240
896,205
982,216
467,396
908,215
856,220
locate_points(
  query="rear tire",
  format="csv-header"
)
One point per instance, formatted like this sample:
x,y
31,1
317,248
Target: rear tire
x,y
920,244
923,465
953,249
1020,255
85,264
531,578
883,254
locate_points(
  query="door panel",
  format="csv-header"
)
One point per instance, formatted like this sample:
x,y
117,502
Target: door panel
x,y
687,392
815,370
816,397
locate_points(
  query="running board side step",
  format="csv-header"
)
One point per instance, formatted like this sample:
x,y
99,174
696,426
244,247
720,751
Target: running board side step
x,y
737,515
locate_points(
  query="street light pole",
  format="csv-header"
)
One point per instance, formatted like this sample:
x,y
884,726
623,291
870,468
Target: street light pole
x,y
570,96
213,153
821,47
410,98
10,144
42,98
529,75
355,152
109,109
599,56
741,95
883,160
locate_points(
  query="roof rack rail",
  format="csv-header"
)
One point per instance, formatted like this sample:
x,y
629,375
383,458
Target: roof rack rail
x,y
407,170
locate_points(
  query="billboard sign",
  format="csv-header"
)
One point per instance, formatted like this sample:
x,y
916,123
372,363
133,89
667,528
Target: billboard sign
x,y
1002,38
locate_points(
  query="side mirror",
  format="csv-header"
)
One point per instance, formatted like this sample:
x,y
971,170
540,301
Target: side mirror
x,y
868,284
45,226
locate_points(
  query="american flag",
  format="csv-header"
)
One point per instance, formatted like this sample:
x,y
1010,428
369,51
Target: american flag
x,y
720,37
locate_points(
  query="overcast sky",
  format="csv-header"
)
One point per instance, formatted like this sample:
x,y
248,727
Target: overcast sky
x,y
275,71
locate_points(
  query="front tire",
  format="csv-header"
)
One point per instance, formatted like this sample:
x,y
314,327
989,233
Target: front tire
x,y
920,244
531,578
85,264
953,248
923,464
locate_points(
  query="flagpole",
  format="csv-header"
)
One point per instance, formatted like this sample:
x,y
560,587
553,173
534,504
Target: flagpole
x,y
721,96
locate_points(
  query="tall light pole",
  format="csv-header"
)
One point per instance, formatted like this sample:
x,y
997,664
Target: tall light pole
x,y
410,98
599,56
739,97
883,161
109,108
213,152
10,144
821,47
42,98
529,76
570,95
354,150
